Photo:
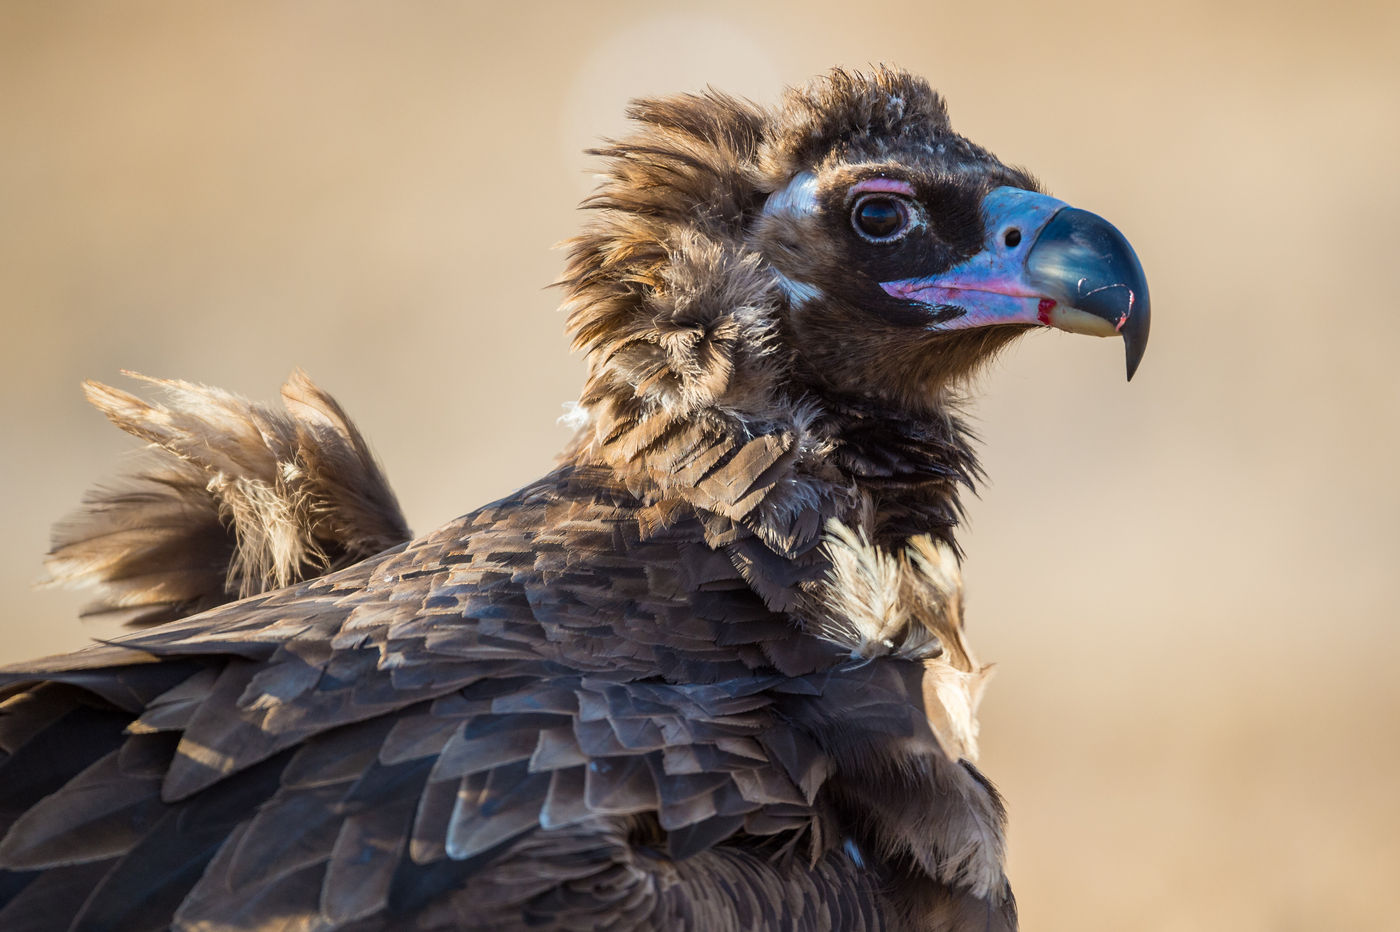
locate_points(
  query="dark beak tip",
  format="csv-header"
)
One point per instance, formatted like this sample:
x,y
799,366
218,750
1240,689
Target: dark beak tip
x,y
1083,261
1135,331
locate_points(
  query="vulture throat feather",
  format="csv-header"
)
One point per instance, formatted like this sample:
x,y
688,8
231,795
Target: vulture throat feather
x,y
709,673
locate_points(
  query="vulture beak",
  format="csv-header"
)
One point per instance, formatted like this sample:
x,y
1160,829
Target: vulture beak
x,y
1043,262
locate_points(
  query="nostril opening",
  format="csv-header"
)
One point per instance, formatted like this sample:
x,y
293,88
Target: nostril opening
x,y
1013,238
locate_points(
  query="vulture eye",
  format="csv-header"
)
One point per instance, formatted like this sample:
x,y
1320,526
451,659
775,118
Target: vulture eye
x,y
880,218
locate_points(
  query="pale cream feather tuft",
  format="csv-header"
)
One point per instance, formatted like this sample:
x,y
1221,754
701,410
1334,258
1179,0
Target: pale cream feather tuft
x,y
864,599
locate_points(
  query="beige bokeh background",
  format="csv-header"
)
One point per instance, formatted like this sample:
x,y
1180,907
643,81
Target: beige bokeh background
x,y
1189,583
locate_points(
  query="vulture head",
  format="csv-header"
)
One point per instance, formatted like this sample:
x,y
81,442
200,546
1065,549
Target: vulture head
x,y
849,244
824,275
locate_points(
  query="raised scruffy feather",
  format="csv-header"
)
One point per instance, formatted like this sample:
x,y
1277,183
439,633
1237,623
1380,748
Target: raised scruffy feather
x,y
234,498
908,604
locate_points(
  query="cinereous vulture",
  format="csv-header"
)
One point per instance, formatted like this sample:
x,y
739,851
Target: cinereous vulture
x,y
707,674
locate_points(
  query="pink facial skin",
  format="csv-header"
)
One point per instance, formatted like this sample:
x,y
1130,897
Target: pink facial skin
x,y
884,186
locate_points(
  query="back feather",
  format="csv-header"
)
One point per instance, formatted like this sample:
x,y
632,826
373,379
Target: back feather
x,y
234,498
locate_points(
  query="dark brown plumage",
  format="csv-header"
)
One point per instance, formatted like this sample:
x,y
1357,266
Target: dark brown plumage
x,y
707,674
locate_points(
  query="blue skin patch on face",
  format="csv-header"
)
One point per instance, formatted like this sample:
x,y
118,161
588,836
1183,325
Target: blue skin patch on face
x,y
991,286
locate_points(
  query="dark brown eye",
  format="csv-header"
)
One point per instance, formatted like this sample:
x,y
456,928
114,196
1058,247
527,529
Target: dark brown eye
x,y
880,218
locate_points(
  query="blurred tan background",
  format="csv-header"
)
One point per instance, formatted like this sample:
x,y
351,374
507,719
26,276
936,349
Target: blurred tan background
x,y
1189,583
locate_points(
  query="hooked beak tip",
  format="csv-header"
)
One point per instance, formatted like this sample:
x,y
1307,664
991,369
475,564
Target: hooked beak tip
x,y
1082,260
1134,330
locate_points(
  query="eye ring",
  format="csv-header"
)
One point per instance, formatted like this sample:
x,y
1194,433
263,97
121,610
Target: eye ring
x,y
880,218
